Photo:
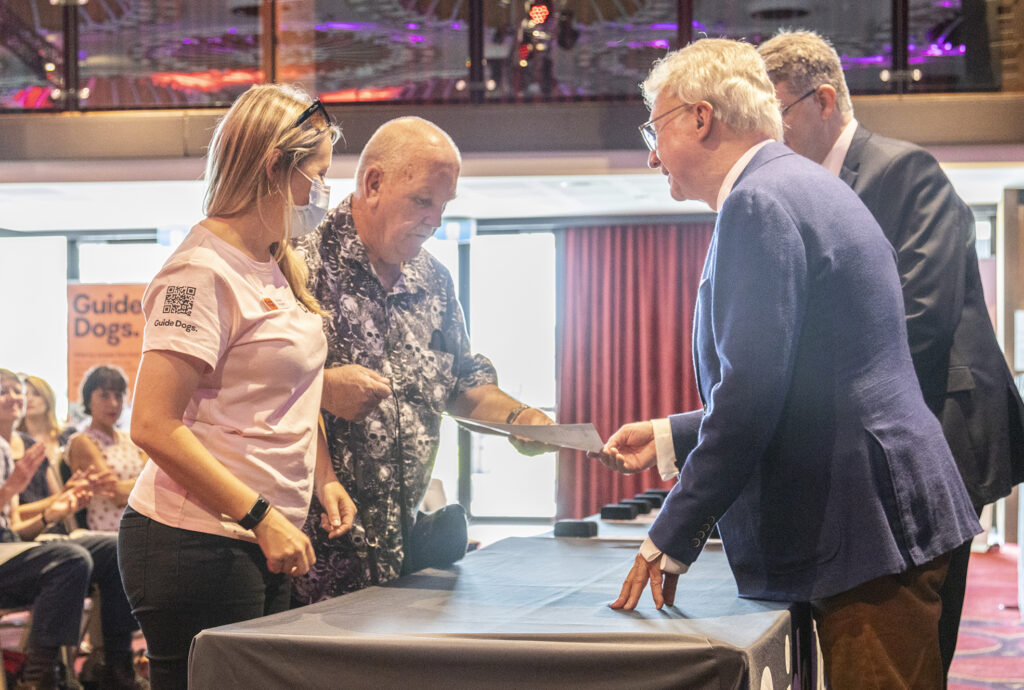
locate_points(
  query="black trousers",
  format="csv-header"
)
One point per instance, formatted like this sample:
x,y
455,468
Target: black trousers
x,y
181,582
952,593
54,579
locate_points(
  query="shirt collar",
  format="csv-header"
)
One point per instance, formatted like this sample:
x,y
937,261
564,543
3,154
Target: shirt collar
x,y
737,168
834,160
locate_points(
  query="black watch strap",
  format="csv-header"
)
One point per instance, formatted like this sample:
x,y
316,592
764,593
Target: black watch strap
x,y
256,513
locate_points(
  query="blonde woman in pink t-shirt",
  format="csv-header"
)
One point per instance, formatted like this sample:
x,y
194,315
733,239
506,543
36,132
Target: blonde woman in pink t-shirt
x,y
228,392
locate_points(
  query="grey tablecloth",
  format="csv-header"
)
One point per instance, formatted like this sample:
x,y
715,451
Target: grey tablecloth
x,y
522,613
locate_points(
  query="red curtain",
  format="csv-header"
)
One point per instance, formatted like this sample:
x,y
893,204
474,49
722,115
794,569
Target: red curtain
x,y
624,350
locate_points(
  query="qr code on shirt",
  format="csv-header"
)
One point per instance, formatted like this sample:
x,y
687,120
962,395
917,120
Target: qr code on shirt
x,y
179,299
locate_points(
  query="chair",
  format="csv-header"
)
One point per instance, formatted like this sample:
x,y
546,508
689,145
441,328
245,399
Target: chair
x,y
21,618
12,619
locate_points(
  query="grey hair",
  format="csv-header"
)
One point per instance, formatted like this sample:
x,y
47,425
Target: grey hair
x,y
727,74
804,61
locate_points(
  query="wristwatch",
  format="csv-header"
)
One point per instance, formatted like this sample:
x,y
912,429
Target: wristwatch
x,y
256,513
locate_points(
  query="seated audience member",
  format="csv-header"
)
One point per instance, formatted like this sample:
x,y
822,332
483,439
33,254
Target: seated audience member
x,y
815,453
40,421
103,448
384,394
45,486
227,399
54,576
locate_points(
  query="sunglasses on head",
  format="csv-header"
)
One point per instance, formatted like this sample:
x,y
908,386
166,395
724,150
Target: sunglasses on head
x,y
317,108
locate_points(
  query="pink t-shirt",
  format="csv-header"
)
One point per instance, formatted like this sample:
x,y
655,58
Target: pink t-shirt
x,y
256,407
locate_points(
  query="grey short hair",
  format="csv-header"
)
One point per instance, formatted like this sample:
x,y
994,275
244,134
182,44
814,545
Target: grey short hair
x,y
729,75
804,61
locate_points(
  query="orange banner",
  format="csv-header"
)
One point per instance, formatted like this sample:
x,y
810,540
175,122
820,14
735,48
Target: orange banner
x,y
105,325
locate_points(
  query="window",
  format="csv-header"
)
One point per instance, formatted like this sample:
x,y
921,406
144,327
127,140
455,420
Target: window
x,y
512,322
512,316
34,315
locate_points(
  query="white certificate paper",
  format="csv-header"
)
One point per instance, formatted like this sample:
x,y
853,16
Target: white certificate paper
x,y
576,436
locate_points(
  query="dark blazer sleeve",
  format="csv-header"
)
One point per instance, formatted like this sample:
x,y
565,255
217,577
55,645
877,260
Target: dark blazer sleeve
x,y
753,305
685,429
931,230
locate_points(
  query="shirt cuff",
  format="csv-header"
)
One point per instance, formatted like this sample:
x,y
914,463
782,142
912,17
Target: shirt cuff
x,y
664,448
649,552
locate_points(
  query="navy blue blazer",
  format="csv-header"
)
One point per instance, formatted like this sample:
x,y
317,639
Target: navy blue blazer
x,y
815,451
962,371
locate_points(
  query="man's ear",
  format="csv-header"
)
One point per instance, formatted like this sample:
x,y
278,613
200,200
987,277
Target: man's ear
x,y
825,98
703,112
371,183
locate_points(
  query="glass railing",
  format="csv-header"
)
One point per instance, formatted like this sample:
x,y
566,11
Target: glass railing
x,y
124,54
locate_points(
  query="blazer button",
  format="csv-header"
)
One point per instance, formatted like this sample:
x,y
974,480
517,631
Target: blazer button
x,y
695,543
711,519
705,528
701,534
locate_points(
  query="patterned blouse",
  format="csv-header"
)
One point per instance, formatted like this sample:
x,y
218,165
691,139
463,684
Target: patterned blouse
x,y
415,336
125,460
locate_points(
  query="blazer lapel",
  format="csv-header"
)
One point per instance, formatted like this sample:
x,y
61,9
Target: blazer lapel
x,y
851,164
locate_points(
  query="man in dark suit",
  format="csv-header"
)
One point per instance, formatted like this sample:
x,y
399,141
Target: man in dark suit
x,y
959,365
815,453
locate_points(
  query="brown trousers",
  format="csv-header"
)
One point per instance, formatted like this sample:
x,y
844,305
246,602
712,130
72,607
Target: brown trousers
x,y
884,633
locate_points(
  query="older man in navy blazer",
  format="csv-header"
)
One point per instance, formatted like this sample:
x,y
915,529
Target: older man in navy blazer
x,y
962,372
815,453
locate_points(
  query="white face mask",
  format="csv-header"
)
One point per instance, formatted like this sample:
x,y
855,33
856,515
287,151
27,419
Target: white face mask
x,y
305,219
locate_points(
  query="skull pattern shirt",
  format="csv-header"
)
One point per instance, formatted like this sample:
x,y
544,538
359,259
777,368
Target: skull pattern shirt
x,y
415,336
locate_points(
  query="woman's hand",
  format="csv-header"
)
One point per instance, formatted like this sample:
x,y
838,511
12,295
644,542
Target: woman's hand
x,y
99,482
339,510
286,548
67,502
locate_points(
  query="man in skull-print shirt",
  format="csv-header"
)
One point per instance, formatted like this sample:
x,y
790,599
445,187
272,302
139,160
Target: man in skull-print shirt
x,y
398,352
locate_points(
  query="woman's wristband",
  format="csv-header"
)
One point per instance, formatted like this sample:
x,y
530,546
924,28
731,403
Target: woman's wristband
x,y
42,516
514,414
256,513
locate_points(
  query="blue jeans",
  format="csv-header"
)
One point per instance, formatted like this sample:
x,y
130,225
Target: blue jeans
x,y
180,582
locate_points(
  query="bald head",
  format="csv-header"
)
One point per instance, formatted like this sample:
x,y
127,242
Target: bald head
x,y
406,143
406,175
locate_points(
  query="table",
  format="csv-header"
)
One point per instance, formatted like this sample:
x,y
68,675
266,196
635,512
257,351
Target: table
x,y
521,613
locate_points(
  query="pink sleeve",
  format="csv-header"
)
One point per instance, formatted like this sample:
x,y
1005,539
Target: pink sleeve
x,y
187,309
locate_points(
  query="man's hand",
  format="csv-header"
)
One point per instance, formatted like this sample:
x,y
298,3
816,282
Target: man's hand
x,y
339,510
630,449
25,469
642,572
352,391
531,416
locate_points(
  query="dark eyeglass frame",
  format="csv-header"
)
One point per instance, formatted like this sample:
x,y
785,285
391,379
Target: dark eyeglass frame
x,y
316,107
650,134
785,109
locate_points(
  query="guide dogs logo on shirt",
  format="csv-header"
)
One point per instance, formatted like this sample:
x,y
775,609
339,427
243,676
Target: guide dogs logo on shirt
x,y
179,299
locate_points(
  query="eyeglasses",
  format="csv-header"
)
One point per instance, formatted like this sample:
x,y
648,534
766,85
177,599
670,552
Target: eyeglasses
x,y
650,134
785,109
316,108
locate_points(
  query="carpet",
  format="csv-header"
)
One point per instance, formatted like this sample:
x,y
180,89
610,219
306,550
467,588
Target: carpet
x,y
990,647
